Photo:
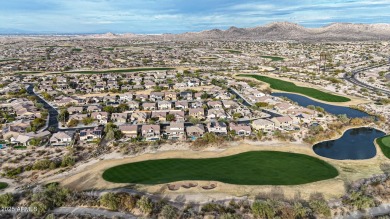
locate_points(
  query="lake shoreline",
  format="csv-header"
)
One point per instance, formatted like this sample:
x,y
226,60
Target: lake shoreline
x,y
344,145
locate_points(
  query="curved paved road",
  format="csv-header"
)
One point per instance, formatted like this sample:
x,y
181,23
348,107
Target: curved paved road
x,y
52,124
355,81
53,113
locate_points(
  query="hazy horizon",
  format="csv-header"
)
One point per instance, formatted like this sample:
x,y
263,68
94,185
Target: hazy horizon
x,y
174,16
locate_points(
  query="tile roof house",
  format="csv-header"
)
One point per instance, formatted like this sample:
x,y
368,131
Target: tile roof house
x,y
161,115
142,97
195,131
240,129
283,107
216,113
15,128
78,116
179,115
229,104
133,105
91,134
196,104
264,125
61,139
282,121
217,127
149,84
139,116
186,95
156,96
196,113
170,95
119,118
21,139
125,97
214,104
102,117
181,104
94,108
150,132
130,131
164,105
64,101
175,131
198,95
149,106
75,109
126,87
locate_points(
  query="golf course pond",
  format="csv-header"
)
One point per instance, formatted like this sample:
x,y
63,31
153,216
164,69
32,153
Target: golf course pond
x,y
335,110
355,144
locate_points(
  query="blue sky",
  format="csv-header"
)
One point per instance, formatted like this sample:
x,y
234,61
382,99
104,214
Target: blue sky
x,y
176,16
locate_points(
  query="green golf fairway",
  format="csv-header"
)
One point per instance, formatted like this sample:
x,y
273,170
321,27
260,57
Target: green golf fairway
x,y
384,144
273,58
291,87
249,168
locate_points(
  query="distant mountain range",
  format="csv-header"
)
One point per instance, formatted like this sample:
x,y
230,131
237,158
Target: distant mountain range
x,y
273,31
292,31
280,31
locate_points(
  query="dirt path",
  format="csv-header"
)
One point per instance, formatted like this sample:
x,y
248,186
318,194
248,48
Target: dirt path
x,y
92,211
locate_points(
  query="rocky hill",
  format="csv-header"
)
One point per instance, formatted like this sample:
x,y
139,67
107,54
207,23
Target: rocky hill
x,y
285,31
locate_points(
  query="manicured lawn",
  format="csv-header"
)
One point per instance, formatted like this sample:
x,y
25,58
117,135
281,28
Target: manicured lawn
x,y
291,87
119,70
20,147
3,185
8,60
28,72
249,168
273,58
233,51
76,50
384,144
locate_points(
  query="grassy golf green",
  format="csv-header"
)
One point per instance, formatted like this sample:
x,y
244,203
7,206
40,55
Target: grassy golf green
x,y
249,168
273,58
384,144
3,185
291,87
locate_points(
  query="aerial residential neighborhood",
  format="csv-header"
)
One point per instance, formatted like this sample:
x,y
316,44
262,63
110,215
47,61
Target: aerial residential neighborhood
x,y
205,105
57,123
194,109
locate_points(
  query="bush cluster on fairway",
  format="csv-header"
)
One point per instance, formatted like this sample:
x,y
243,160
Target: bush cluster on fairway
x,y
249,168
291,87
3,185
384,144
